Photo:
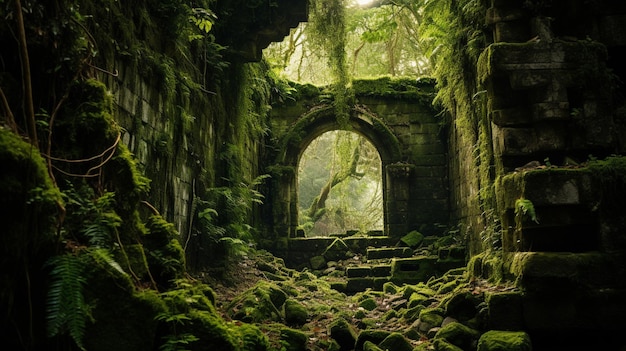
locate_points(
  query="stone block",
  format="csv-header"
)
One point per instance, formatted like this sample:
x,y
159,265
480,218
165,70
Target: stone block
x,y
359,284
558,271
381,270
504,310
388,252
413,270
515,141
511,116
358,272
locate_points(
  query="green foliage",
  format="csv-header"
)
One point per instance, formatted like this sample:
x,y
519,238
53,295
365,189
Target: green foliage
x,y
229,227
339,185
66,307
524,208
327,21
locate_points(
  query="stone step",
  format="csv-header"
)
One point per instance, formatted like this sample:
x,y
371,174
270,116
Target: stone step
x,y
383,270
388,252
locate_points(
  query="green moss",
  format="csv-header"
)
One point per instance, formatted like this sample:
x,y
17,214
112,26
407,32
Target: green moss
x,y
444,345
413,239
293,340
495,340
432,316
458,335
369,304
343,333
263,302
295,312
396,88
165,257
396,342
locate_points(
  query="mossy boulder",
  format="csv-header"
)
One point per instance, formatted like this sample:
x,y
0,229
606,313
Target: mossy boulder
x,y
429,318
317,262
370,346
498,340
370,335
337,251
396,342
463,305
295,312
262,302
368,304
458,335
444,345
343,333
293,340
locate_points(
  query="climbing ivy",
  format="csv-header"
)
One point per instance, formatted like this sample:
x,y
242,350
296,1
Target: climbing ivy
x,y
453,34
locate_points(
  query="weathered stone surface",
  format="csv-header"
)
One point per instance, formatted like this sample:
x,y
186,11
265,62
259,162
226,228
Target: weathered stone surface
x,y
505,310
412,270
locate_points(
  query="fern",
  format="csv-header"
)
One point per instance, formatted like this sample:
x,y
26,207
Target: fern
x,y
525,208
66,308
103,257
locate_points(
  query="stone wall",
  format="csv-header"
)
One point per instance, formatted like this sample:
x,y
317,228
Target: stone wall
x,y
409,138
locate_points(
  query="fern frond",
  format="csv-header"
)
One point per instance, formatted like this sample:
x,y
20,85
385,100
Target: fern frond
x,y
66,309
103,256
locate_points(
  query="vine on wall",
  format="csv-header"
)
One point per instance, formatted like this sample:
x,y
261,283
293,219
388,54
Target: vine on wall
x,y
327,21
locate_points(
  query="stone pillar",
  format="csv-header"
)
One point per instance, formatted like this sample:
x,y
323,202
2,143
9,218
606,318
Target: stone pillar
x,y
397,195
284,201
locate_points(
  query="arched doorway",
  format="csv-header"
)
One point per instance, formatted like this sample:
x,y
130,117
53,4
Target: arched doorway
x,y
395,174
339,180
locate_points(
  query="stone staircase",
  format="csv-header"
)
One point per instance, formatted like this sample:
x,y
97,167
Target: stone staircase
x,y
368,262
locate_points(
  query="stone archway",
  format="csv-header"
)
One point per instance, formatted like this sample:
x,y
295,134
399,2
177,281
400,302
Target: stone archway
x,y
312,124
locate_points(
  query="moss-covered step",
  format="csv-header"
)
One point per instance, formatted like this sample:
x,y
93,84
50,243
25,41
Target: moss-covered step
x,y
359,284
413,270
388,252
359,272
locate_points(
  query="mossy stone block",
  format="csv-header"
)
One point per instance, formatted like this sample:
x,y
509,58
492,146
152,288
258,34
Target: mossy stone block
x,y
370,346
413,270
444,345
293,340
372,336
498,340
317,262
368,304
359,284
358,272
343,333
458,335
396,342
295,313
337,251
390,288
505,310
413,239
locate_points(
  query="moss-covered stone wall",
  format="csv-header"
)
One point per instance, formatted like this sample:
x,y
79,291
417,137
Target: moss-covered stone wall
x,y
397,116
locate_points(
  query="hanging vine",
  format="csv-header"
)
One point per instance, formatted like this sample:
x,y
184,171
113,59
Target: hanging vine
x,y
327,31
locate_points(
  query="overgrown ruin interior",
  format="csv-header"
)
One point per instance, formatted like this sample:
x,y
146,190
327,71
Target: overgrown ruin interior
x,y
149,179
